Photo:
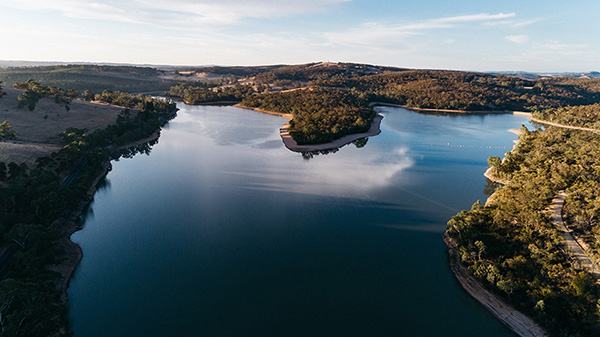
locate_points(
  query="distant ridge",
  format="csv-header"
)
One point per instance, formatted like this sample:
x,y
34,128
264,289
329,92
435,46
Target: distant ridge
x,y
536,76
6,64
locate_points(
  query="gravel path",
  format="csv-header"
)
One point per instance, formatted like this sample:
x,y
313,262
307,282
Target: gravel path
x,y
574,248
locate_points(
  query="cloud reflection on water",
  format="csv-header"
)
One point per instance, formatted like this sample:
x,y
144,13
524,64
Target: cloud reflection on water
x,y
355,174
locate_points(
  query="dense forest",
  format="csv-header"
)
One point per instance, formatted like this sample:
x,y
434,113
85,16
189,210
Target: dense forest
x,y
511,246
319,115
442,89
205,92
584,115
321,72
35,201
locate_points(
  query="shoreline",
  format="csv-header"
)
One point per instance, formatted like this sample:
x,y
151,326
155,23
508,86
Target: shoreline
x,y
274,113
518,322
292,145
69,225
515,320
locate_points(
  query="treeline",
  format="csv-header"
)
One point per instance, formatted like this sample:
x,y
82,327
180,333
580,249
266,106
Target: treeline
x,y
320,72
203,93
34,91
583,115
511,246
319,115
33,199
159,106
236,71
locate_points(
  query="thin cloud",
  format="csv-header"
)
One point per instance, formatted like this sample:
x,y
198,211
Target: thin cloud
x,y
517,38
475,17
564,47
512,23
175,13
77,9
375,34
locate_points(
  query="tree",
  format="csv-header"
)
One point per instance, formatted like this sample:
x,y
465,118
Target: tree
x,y
583,283
29,98
88,95
2,92
494,162
6,131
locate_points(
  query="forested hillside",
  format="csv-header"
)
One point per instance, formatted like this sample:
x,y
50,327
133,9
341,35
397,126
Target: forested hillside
x,y
510,244
433,89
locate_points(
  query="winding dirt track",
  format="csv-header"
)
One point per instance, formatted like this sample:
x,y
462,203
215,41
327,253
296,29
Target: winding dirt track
x,y
573,247
563,125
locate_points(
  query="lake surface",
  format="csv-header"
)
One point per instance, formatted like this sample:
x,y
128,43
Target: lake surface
x,y
221,231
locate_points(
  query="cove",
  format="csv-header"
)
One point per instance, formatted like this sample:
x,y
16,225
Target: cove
x,y
222,231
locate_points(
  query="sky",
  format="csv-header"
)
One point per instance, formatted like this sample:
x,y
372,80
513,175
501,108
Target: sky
x,y
493,35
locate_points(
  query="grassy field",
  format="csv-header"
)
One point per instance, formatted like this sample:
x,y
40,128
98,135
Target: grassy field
x,y
37,131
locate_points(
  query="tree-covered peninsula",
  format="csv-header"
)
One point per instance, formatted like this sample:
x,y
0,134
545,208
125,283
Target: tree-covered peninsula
x,y
318,115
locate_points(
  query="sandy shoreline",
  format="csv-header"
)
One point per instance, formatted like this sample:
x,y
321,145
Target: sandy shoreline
x,y
286,116
291,144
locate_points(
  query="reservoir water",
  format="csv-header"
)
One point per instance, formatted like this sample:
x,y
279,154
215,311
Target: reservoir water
x,y
221,231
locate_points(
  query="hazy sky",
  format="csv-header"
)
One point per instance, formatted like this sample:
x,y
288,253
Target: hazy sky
x,y
530,35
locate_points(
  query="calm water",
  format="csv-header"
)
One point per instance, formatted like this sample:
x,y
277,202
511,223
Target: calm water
x,y
221,231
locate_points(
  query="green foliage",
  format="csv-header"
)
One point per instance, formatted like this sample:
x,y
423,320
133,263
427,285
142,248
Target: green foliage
x,y
88,95
513,248
6,131
320,72
439,89
160,106
196,94
34,91
29,309
319,115
583,115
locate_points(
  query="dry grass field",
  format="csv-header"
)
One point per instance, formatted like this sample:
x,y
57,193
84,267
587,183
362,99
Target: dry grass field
x,y
37,131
